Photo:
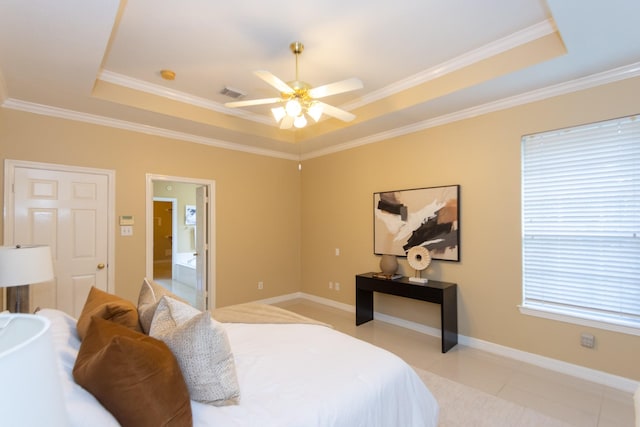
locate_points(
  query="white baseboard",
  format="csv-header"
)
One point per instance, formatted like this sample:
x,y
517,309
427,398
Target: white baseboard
x,y
593,375
599,377
281,298
302,295
329,302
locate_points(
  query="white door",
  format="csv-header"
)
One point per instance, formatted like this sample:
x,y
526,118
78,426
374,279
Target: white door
x,y
201,247
69,212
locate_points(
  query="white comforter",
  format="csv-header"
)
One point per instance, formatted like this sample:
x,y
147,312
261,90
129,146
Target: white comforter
x,y
289,375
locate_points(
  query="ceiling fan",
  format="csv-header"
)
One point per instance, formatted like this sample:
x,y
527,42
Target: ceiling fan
x,y
299,99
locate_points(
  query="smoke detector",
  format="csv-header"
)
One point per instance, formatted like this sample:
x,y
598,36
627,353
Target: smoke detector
x,y
168,74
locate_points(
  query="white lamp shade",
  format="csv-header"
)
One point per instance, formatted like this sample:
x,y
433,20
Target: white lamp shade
x,y
31,393
300,121
293,107
25,265
315,111
278,113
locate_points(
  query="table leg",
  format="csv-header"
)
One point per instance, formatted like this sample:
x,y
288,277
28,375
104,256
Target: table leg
x,y
364,306
449,319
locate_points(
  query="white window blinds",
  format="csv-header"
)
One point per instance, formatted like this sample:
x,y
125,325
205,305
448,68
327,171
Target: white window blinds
x,y
581,222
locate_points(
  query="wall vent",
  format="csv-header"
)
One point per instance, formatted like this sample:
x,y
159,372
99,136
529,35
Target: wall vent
x,y
232,93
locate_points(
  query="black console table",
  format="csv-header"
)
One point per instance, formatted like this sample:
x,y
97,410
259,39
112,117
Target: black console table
x,y
441,293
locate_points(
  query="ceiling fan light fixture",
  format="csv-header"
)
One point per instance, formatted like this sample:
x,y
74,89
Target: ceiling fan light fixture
x,y
300,121
278,113
298,98
315,111
293,107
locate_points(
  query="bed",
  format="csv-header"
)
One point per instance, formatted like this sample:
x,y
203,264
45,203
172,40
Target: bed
x,y
289,374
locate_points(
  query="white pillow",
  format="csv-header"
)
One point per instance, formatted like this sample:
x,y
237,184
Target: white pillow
x,y
202,348
148,299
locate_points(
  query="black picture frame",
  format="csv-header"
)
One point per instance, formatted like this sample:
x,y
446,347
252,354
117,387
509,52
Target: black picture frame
x,y
428,217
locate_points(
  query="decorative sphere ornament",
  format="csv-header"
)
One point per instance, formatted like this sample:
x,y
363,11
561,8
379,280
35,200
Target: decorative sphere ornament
x,y
389,265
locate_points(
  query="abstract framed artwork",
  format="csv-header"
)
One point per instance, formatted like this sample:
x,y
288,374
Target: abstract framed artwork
x,y
190,215
427,217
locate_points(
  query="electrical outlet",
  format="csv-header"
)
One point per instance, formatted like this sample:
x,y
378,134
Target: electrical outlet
x,y
330,285
260,285
337,286
587,340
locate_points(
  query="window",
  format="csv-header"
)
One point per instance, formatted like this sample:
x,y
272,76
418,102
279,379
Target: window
x,y
581,224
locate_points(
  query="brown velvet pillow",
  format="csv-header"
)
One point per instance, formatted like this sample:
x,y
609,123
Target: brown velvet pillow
x,y
110,307
134,376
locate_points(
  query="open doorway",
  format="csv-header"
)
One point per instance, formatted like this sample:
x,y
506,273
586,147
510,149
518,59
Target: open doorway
x,y
180,230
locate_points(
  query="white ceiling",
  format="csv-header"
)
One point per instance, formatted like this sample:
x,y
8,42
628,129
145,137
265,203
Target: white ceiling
x,y
422,62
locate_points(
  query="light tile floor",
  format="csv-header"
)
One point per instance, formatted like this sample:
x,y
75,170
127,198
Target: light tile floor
x,y
572,400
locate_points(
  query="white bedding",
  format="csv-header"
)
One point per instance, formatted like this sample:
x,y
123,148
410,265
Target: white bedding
x,y
289,375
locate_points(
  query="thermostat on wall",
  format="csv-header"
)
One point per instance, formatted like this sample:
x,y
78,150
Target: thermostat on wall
x,y
126,220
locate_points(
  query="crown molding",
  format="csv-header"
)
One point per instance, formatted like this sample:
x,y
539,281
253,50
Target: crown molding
x,y
594,80
611,76
504,44
499,46
153,89
63,113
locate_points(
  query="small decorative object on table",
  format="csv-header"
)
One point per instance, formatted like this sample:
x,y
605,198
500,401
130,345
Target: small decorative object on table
x,y
387,277
388,265
419,259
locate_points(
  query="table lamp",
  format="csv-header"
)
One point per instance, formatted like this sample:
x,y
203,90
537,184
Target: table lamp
x,y
31,394
21,266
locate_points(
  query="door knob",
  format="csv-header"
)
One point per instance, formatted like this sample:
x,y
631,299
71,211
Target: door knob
x,y
100,266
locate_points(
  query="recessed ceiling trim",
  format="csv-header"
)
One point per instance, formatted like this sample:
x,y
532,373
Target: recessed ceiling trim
x,y
140,85
511,41
497,47
599,79
606,77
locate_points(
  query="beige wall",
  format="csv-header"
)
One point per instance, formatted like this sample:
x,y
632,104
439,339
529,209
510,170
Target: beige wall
x,y
272,225
483,156
257,198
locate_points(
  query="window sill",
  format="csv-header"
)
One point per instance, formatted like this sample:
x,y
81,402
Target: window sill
x,y
584,321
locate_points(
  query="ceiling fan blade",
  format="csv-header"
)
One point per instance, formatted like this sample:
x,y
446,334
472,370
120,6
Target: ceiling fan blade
x,y
250,102
336,112
335,88
286,122
274,81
